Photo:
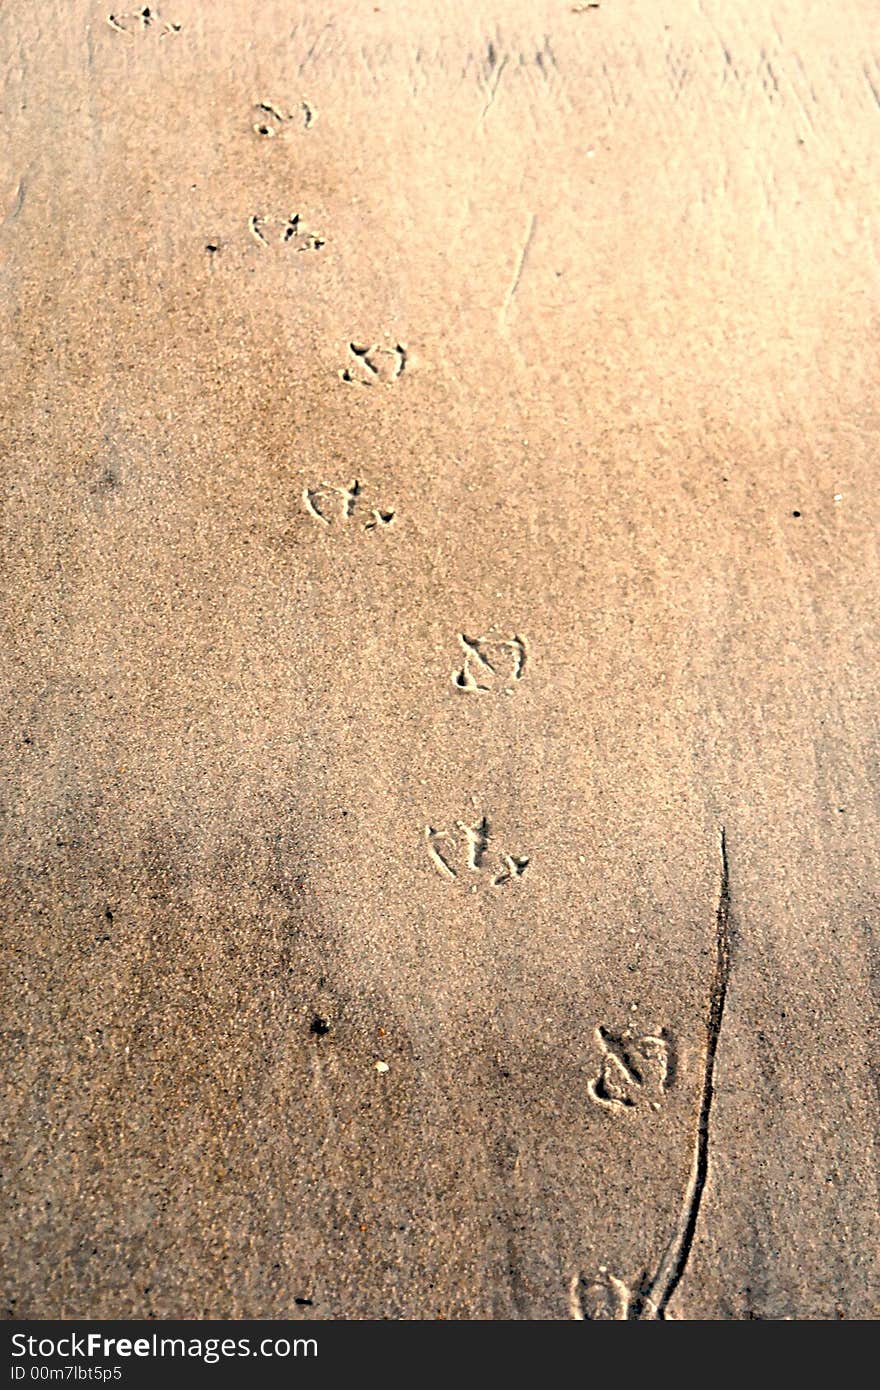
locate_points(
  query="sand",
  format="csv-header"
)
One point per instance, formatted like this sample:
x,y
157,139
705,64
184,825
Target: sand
x,y
439,712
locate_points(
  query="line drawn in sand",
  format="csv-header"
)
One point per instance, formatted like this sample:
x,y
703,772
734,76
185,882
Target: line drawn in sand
x,y
518,268
605,1296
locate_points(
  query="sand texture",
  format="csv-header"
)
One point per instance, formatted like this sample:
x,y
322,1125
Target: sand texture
x,y
439,599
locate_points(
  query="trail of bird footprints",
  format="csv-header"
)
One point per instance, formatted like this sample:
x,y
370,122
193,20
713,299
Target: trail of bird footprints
x,y
633,1072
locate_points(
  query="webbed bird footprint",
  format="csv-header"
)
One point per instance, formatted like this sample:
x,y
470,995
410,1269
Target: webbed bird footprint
x,y
374,364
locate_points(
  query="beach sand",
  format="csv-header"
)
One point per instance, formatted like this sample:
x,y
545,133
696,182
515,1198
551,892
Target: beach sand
x,y
439,719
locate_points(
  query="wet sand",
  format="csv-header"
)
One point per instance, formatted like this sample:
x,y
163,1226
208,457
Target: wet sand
x,y
439,717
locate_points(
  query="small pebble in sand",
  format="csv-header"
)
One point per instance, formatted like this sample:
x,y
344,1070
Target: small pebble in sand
x,y
381,1067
